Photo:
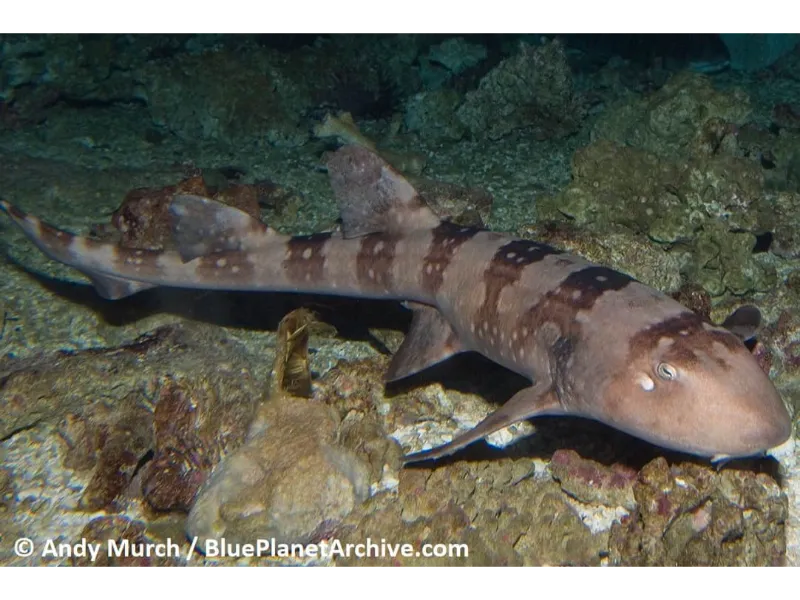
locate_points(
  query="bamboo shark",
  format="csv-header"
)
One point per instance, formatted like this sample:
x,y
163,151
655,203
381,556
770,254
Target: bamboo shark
x,y
594,342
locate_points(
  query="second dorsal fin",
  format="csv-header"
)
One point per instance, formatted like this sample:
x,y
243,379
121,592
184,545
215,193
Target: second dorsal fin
x,y
201,226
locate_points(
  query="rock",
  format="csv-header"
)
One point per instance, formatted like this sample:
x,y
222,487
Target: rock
x,y
532,89
592,483
691,515
290,481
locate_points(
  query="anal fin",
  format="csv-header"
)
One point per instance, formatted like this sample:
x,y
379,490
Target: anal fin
x,y
114,288
528,402
429,341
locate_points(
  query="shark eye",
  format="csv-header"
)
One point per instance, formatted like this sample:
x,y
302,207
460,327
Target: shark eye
x,y
666,371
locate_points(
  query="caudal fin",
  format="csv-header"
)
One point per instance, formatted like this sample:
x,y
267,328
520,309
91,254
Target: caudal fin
x,y
72,250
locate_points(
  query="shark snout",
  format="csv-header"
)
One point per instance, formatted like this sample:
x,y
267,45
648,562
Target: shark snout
x,y
715,411
770,427
758,419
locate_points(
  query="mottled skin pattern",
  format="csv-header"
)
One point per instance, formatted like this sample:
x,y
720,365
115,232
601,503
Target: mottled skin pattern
x,y
594,341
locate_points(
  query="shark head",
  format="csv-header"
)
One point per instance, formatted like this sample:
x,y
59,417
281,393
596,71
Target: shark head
x,y
693,387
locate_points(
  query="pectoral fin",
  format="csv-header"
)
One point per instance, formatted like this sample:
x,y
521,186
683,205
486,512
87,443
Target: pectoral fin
x,y
526,403
744,322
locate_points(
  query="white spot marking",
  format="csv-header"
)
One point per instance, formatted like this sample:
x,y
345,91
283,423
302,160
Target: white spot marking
x,y
665,342
647,384
307,253
235,269
378,248
601,278
222,262
511,255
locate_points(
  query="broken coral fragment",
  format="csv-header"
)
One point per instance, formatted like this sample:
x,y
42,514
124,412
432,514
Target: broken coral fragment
x,y
291,480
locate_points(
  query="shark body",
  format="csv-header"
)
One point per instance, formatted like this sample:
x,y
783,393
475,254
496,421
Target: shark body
x,y
594,342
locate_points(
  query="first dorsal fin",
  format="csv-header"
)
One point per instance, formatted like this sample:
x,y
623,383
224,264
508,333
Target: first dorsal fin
x,y
201,226
373,197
